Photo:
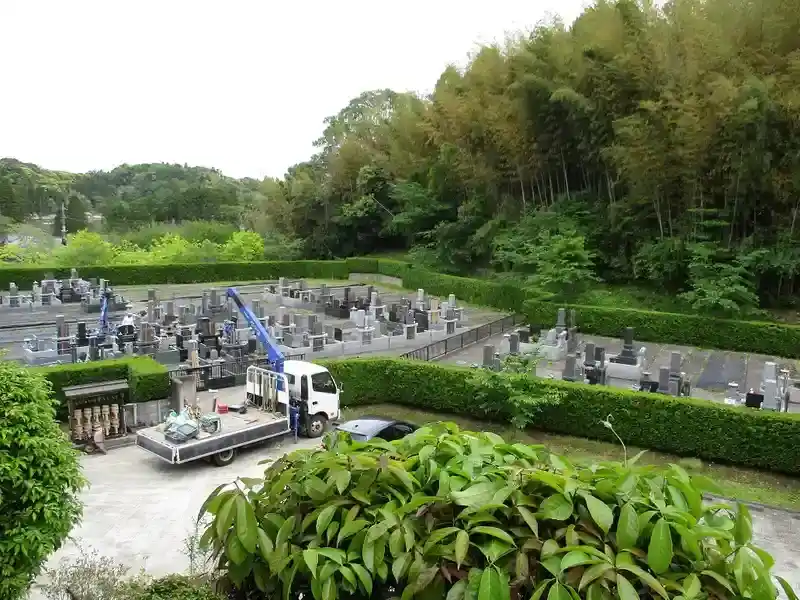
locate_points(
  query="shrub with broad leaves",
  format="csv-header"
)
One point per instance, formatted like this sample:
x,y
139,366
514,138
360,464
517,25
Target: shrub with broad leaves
x,y
452,514
40,479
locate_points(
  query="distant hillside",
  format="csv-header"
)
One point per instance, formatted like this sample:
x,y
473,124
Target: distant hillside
x,y
127,196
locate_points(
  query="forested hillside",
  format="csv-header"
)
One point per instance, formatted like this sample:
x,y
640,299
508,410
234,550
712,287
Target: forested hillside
x,y
636,145
128,196
664,142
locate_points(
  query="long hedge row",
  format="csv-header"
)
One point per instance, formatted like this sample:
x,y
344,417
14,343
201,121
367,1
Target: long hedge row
x,y
683,426
748,336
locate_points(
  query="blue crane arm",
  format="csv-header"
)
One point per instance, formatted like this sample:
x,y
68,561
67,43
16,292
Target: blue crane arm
x,y
104,313
274,355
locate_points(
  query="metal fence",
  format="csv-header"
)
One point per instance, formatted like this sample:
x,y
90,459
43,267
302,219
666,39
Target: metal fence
x,y
462,340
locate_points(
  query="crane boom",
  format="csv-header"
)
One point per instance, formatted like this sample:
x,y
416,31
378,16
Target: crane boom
x,y
274,355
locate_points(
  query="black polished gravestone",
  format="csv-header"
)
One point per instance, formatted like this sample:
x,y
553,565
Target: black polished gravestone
x,y
628,354
421,317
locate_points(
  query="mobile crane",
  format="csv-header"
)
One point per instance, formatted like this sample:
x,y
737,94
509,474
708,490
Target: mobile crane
x,y
290,396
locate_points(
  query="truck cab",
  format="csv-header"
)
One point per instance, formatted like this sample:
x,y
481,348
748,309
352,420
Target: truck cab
x,y
311,388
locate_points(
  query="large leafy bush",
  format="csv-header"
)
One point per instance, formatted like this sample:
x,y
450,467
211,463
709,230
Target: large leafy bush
x,y
444,513
39,479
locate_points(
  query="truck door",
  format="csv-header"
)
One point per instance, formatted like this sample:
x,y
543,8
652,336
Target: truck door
x,y
324,395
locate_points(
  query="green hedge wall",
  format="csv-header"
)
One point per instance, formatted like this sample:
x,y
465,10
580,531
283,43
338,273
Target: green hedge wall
x,y
148,380
683,426
764,338
125,275
772,339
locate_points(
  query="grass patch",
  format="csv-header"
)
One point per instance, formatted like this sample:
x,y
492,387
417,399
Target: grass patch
x,y
748,485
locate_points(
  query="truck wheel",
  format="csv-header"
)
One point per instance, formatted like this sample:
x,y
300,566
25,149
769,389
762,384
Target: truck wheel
x,y
316,426
224,458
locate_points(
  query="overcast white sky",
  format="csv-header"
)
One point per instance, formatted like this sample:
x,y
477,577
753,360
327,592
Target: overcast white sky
x,y
240,85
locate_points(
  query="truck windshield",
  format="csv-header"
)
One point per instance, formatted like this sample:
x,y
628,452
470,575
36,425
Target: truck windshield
x,y
323,383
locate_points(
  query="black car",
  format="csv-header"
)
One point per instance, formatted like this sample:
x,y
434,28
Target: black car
x,y
366,428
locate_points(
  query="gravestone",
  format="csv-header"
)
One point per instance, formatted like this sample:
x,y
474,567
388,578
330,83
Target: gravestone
x,y
13,295
570,368
561,320
663,380
675,361
572,341
628,355
600,356
588,355
488,356
513,343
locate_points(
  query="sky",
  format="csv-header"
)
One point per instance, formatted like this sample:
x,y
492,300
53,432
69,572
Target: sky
x,y
239,85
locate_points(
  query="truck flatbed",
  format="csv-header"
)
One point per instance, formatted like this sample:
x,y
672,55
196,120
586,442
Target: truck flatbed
x,y
237,430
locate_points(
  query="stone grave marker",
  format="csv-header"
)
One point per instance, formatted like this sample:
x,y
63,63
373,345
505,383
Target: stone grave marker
x,y
561,320
628,355
513,343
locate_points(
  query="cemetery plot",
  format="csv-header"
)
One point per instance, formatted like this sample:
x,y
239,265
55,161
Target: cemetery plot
x,y
197,326
757,381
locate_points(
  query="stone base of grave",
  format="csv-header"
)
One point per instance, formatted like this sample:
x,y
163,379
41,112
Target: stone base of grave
x,y
622,371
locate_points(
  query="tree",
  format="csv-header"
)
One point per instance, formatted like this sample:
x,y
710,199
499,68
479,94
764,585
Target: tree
x,y
12,205
39,478
76,214
448,513
57,222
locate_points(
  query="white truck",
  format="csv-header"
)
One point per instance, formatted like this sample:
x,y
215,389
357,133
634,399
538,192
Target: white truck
x,y
271,396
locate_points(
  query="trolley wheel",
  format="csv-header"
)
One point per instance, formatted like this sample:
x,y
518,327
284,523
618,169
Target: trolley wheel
x,y
224,458
316,426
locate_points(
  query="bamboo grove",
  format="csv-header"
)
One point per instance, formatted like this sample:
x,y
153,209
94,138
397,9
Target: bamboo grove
x,y
664,141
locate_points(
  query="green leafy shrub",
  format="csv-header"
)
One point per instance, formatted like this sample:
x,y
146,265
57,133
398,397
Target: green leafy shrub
x,y
39,479
772,339
684,426
466,516
176,587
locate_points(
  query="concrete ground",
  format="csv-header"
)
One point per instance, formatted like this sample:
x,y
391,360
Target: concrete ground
x,y
140,511
709,370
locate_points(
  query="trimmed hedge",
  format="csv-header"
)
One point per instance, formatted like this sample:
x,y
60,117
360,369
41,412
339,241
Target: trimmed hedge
x,y
683,426
773,339
126,275
148,380
690,330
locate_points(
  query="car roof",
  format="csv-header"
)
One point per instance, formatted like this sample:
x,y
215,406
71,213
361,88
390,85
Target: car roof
x,y
368,426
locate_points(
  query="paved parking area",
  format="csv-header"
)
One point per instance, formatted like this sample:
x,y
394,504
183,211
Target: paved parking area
x,y
139,511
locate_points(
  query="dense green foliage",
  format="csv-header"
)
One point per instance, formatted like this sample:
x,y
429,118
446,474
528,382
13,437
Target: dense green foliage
x,y
147,379
467,516
639,143
86,248
683,426
128,196
39,479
